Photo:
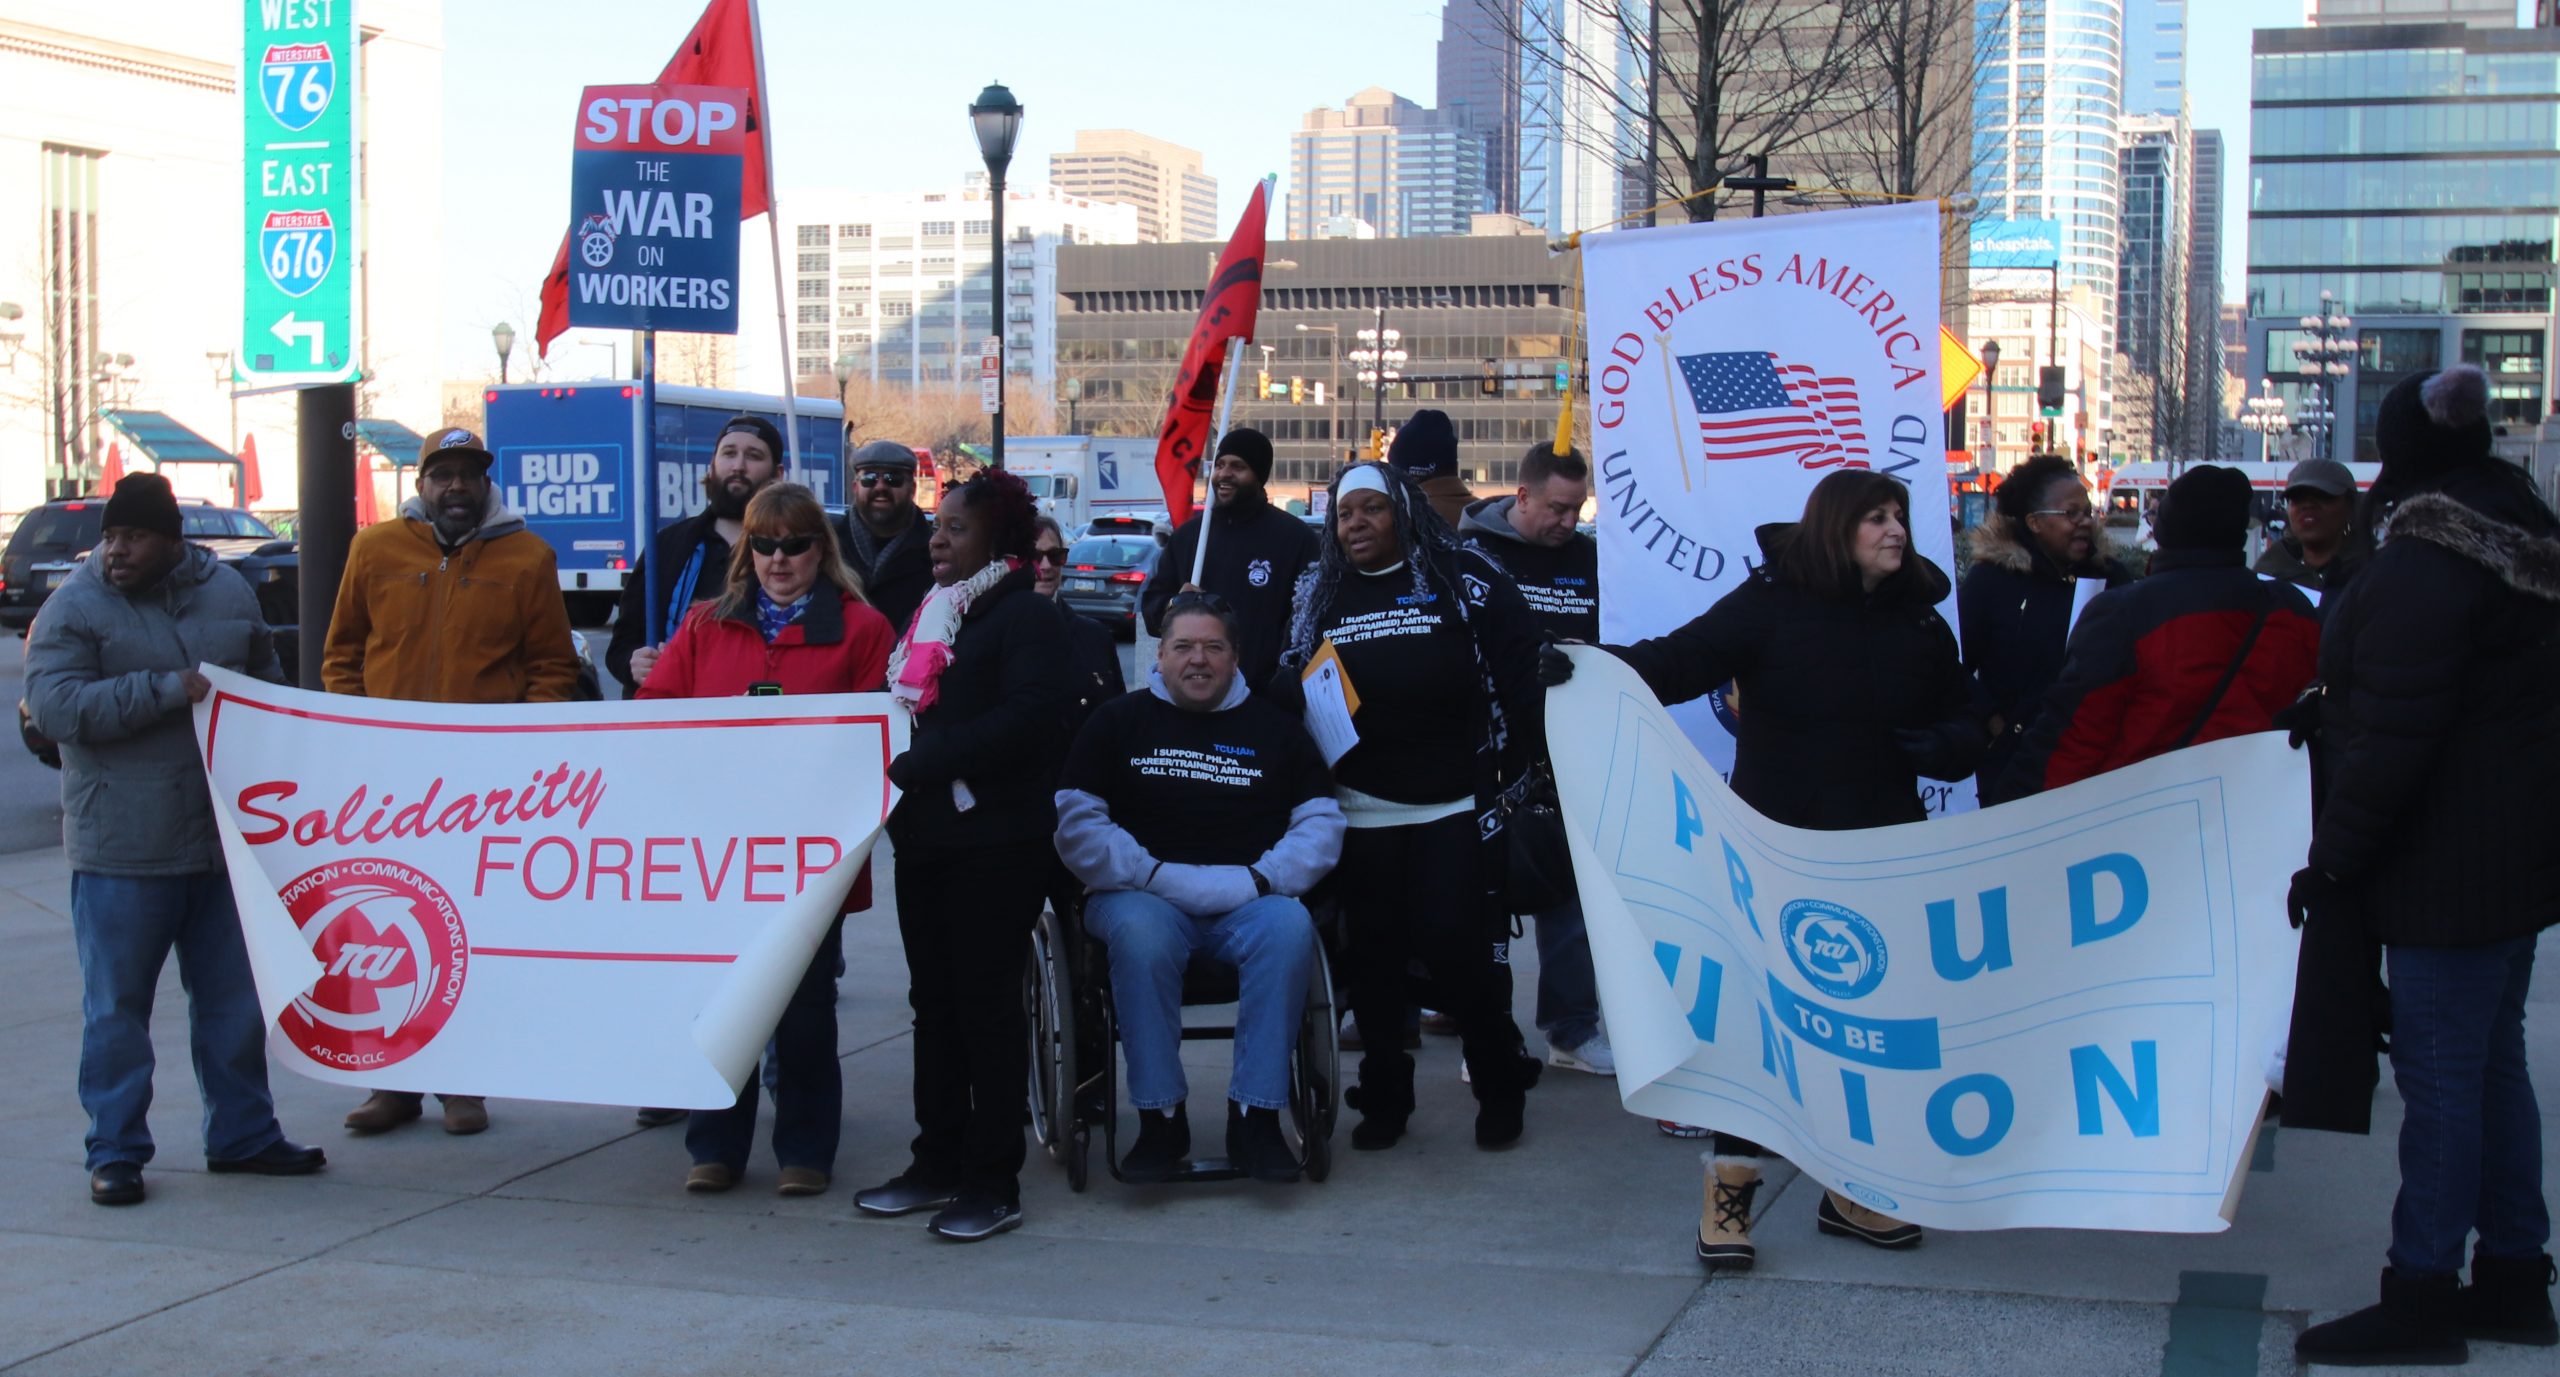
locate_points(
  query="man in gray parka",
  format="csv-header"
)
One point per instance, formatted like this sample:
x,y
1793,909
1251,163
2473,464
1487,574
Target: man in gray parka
x,y
112,676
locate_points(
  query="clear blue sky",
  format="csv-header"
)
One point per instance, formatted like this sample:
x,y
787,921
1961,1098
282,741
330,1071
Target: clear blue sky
x,y
874,96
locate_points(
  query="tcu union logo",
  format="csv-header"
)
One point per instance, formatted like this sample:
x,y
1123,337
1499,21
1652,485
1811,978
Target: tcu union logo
x,y
1258,573
392,956
1835,948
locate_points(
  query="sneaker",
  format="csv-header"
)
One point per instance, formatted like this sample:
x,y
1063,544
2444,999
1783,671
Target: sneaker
x,y
972,1218
1591,1056
1255,1146
657,1118
1670,1128
1842,1217
283,1157
1724,1224
1164,1143
904,1194
1436,1022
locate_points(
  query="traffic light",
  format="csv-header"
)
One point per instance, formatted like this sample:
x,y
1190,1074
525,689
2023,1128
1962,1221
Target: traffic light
x,y
2035,437
1492,379
1297,391
2049,389
1265,389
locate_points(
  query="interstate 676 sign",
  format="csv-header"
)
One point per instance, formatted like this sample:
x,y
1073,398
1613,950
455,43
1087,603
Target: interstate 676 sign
x,y
298,195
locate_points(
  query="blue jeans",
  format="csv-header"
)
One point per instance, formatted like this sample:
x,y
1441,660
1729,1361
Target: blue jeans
x,y
1568,993
2470,1133
1272,944
124,927
800,1068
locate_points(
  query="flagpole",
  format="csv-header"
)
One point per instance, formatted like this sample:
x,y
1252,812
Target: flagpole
x,y
773,234
1208,471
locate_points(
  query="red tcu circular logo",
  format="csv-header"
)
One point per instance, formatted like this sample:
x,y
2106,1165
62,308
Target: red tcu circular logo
x,y
392,956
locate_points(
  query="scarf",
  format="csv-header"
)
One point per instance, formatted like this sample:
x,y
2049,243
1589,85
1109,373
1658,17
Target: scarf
x,y
772,616
924,652
869,554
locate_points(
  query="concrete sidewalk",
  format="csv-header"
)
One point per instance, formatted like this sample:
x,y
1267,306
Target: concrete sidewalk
x,y
561,1242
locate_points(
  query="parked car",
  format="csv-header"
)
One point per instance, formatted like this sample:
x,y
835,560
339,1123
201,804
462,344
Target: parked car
x,y
1127,524
51,540
1106,573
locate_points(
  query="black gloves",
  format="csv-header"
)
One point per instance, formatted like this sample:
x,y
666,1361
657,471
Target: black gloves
x,y
2301,718
1946,750
1554,666
2315,894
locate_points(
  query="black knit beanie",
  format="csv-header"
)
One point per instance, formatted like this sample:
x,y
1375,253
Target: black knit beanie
x,y
2431,423
1253,447
2207,508
143,502
1426,447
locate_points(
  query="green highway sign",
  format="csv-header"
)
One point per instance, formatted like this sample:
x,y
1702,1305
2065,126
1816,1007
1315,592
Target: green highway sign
x,y
298,68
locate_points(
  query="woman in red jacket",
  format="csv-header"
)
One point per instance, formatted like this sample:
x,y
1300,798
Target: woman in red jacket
x,y
798,625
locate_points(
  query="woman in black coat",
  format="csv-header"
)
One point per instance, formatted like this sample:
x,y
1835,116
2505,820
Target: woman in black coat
x,y
1850,690
2042,537
2440,739
984,669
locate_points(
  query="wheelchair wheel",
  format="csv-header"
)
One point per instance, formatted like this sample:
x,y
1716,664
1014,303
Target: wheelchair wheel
x,y
1053,1037
1316,1073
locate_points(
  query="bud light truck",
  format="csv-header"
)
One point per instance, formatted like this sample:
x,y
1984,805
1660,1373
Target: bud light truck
x,y
569,455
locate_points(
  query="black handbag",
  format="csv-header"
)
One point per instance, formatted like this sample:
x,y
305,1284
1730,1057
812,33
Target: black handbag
x,y
1538,864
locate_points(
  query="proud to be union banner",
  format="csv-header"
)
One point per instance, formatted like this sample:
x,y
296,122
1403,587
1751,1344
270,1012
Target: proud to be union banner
x,y
606,903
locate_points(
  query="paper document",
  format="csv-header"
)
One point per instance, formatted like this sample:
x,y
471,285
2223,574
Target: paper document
x,y
2080,596
2311,593
1330,704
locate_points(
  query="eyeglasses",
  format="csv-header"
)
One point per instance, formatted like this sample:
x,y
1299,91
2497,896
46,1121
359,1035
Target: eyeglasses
x,y
1050,556
872,478
2074,515
789,547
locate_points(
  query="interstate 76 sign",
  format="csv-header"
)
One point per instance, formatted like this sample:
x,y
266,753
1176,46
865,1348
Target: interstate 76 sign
x,y
298,198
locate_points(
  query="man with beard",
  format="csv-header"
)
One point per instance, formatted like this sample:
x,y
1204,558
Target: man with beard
x,y
455,602
886,544
694,552
1256,552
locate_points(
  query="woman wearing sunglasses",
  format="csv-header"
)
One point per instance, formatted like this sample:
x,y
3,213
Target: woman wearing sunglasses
x,y
793,621
1097,670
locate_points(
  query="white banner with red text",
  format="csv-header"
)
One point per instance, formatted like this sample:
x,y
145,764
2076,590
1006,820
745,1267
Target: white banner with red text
x,y
606,903
2056,1013
1734,364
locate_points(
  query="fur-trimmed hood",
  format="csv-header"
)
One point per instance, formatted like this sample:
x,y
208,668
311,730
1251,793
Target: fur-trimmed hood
x,y
1998,543
2524,561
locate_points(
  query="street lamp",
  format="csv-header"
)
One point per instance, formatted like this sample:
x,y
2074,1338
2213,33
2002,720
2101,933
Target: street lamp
x,y
2266,418
1073,390
998,119
2327,351
1333,397
845,363
1378,362
1991,400
12,339
504,336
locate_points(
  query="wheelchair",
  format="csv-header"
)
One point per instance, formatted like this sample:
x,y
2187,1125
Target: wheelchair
x,y
1075,1040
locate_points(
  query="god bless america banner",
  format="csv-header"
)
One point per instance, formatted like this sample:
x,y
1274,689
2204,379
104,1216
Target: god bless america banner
x,y
597,902
2056,1013
1733,365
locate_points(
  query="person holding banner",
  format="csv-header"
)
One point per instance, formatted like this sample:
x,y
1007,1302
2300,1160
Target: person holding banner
x,y
984,669
1441,655
2029,555
790,620
1851,690
1256,552
2441,736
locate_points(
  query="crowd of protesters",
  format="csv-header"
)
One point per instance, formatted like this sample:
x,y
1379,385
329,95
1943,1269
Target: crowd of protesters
x,y
2408,637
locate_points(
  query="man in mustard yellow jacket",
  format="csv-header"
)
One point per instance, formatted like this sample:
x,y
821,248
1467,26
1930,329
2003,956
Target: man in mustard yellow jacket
x,y
455,602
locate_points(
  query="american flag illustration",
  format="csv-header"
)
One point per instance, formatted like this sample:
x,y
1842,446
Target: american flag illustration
x,y
1751,406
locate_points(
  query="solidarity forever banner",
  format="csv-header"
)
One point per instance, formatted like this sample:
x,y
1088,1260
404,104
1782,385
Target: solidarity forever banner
x,y
2054,1013
597,902
1733,365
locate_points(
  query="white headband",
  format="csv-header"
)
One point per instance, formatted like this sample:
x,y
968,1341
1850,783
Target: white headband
x,y
1365,478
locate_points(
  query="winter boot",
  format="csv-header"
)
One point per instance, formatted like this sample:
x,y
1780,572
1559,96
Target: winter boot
x,y
2509,1301
1846,1218
1255,1145
1724,1222
1384,1098
2413,1326
1164,1141
1502,1096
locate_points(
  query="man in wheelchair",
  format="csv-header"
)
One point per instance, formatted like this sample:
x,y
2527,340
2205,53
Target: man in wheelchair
x,y
1195,814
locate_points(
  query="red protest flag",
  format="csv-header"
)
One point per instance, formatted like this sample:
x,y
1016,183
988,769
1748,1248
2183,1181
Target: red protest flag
x,y
721,51
1226,313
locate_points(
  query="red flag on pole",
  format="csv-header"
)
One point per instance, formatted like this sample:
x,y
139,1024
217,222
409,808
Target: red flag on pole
x,y
252,491
112,471
368,502
721,51
1235,294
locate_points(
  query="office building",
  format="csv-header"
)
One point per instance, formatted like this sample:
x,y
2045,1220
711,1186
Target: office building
x,y
2155,57
1472,311
2204,296
1479,59
1581,144
120,258
1174,198
902,284
2152,281
2483,14
2409,172
1405,170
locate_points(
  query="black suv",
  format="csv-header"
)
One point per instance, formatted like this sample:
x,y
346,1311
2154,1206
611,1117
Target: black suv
x,y
51,540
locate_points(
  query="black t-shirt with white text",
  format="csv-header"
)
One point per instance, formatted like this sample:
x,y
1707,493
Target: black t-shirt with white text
x,y
1415,675
1561,584
1197,788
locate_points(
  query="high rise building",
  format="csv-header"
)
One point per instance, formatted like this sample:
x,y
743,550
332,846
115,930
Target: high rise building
x,y
2155,57
2485,14
2204,297
2152,317
1480,83
1404,170
2409,173
1174,198
1581,79
901,285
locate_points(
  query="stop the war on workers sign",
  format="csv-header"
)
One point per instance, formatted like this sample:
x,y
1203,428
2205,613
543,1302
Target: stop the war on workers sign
x,y
2054,1013
598,902
653,220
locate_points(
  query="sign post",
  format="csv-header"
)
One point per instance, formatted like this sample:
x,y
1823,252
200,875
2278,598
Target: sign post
x,y
298,166
990,375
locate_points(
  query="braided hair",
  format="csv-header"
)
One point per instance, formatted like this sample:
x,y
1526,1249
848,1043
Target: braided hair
x,y
1430,552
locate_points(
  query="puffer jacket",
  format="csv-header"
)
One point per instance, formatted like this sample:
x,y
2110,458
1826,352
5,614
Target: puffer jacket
x,y
106,681
838,646
484,623
2014,611
2440,722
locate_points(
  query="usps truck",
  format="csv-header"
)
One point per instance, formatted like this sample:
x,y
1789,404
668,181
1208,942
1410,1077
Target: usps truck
x,y
1080,477
569,453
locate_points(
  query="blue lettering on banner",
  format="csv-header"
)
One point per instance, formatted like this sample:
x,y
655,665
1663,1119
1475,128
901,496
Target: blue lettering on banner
x,y
2134,893
1834,947
1778,1053
1853,1092
1946,954
2092,1070
2000,1111
1685,819
1739,876
1895,1044
1702,1005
